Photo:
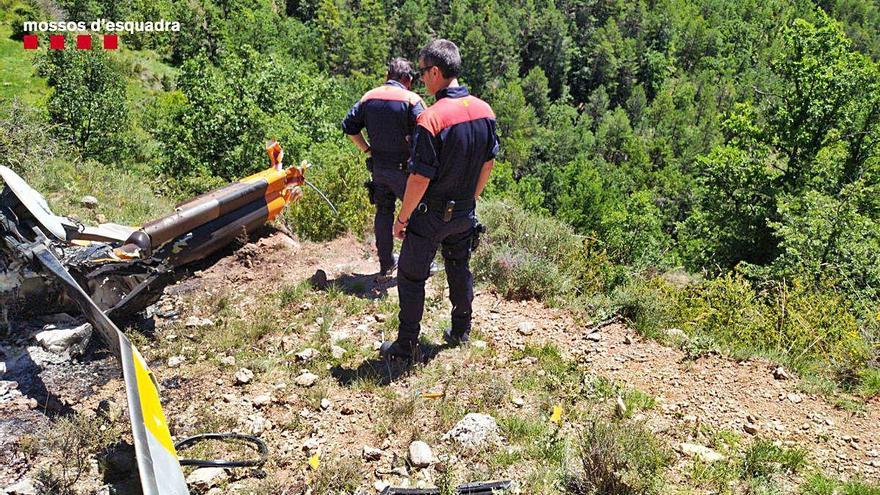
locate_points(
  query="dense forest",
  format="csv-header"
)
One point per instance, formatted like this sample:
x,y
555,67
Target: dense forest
x,y
710,165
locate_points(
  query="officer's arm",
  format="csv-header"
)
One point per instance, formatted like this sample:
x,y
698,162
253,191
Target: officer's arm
x,y
484,177
353,125
416,186
360,142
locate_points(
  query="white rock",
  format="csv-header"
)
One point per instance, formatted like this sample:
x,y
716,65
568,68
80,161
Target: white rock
x,y
227,360
90,202
371,453
479,344
325,404
338,335
705,454
65,340
206,477
306,379
780,374
795,398
525,328
243,376
23,487
518,401
381,485
307,354
195,321
475,431
337,352
175,361
258,424
420,454
620,407
261,400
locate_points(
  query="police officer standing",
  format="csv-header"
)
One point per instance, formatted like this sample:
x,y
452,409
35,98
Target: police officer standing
x,y
453,152
389,114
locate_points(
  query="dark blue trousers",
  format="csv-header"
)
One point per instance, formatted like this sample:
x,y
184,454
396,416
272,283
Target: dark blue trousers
x,y
425,233
389,184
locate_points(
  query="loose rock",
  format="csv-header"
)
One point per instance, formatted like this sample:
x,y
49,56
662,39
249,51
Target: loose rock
x,y
705,454
23,487
337,352
90,202
620,407
525,328
420,454
71,341
475,431
243,376
307,354
306,379
227,360
175,361
195,322
780,374
206,477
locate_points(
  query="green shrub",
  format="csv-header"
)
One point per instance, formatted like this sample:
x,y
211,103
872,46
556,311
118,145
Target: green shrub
x,y
340,174
650,305
798,321
88,103
528,256
763,459
618,458
821,485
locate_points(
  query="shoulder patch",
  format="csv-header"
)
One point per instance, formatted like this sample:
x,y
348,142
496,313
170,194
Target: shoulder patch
x,y
451,111
391,93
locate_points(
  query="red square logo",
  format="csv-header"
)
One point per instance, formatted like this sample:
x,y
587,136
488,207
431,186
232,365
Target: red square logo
x,y
84,42
111,41
56,42
30,42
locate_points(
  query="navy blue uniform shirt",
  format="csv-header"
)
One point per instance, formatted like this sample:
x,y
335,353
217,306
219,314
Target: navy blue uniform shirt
x,y
453,139
389,114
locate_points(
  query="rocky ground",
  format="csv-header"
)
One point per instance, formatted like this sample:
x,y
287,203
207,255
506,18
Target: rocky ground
x,y
246,345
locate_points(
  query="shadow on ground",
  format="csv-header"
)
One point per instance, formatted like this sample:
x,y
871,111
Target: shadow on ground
x,y
362,285
384,371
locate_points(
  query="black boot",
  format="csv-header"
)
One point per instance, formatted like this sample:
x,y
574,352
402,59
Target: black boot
x,y
455,339
399,349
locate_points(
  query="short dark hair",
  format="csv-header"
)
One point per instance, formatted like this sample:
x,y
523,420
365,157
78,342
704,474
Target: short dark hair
x,y
400,69
444,55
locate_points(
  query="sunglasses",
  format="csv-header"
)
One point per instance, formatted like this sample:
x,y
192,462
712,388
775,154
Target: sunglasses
x,y
422,70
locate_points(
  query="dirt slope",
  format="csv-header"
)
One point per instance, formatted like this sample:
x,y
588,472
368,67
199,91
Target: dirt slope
x,y
354,404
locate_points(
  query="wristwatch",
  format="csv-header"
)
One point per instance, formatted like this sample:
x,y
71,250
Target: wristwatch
x,y
401,223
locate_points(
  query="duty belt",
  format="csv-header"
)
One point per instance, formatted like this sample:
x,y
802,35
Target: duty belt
x,y
446,207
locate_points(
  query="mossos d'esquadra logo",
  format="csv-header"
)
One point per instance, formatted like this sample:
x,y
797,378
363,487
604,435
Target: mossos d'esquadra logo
x,y
108,29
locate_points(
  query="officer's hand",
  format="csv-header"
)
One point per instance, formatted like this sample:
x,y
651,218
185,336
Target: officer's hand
x,y
399,230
